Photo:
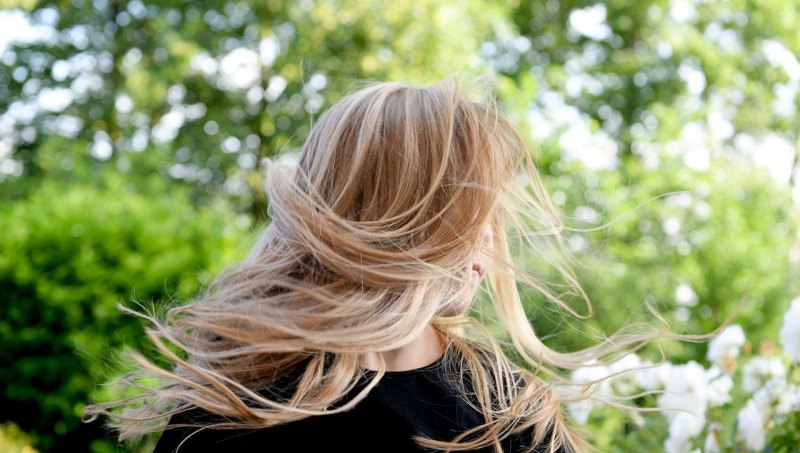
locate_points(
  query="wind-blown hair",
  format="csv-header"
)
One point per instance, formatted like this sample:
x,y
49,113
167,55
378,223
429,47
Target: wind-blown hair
x,y
371,236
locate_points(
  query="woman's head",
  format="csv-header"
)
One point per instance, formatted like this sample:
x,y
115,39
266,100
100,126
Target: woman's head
x,y
396,187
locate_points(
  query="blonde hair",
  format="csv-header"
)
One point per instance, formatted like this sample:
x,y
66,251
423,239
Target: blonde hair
x,y
369,237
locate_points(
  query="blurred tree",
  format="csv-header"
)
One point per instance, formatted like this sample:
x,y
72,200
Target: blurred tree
x,y
714,242
66,259
642,71
201,93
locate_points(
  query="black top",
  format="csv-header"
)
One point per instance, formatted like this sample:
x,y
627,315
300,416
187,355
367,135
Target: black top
x,y
401,405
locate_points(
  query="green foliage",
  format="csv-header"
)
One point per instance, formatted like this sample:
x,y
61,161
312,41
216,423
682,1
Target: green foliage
x,y
68,256
724,233
787,437
158,59
634,68
614,431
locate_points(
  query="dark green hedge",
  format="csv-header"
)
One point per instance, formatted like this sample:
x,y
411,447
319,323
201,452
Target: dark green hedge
x,y
67,257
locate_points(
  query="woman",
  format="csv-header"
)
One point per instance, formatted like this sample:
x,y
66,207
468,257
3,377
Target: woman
x,y
345,328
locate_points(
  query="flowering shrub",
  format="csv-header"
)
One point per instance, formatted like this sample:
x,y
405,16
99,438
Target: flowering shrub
x,y
739,403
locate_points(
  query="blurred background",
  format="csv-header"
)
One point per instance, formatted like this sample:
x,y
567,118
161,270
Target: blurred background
x,y
132,136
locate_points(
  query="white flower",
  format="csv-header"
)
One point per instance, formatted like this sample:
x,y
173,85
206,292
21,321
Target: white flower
x,y
628,362
682,429
759,370
684,402
751,423
627,367
654,377
712,438
779,396
724,349
719,387
580,409
790,332
686,390
589,374
788,400
774,399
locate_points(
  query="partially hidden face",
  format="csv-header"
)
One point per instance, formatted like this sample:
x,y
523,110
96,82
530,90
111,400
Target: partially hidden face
x,y
477,270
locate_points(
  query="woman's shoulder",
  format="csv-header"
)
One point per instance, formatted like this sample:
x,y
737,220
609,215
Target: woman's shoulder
x,y
420,401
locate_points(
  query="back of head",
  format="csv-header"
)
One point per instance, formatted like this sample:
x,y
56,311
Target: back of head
x,y
390,196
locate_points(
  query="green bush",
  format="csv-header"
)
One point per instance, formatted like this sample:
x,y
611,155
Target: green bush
x,y
68,257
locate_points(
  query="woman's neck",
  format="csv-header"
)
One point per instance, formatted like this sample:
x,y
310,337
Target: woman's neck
x,y
423,350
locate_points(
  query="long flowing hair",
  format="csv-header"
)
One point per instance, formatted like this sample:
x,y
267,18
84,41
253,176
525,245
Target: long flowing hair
x,y
370,235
